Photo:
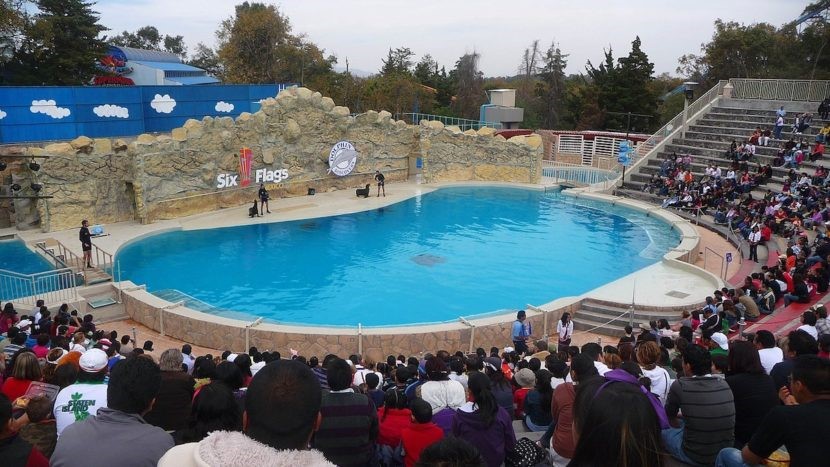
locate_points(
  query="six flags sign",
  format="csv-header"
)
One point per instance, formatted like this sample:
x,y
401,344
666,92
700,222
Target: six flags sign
x,y
342,161
243,178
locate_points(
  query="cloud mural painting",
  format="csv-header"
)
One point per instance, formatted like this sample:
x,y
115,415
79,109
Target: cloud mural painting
x,y
110,110
163,104
223,106
2,114
50,108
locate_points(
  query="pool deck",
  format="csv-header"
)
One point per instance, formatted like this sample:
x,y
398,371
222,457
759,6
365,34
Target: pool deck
x,y
665,283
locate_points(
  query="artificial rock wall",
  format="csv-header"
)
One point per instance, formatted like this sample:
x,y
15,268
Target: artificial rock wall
x,y
166,176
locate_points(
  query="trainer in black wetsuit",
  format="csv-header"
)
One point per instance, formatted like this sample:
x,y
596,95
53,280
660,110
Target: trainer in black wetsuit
x,y
86,242
380,179
263,200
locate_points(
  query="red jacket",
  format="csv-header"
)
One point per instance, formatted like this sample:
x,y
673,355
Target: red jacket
x,y
391,427
418,437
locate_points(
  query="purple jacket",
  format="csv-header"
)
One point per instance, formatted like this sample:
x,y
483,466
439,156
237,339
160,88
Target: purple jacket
x,y
493,442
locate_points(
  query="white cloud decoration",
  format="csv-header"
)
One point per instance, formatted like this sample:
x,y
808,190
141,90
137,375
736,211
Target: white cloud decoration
x,y
2,114
111,110
223,106
163,104
50,108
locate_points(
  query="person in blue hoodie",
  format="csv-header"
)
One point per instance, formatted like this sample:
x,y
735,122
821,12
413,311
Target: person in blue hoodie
x,y
484,424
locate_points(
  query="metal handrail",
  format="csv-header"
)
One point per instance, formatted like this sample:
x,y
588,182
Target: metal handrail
x,y
463,123
802,90
673,127
707,250
51,286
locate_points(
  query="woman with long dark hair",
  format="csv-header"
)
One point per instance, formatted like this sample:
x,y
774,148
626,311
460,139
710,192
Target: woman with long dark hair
x,y
608,436
393,418
537,403
214,408
483,423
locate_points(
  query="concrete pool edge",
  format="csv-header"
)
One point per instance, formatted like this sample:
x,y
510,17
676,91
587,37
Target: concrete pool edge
x,y
221,332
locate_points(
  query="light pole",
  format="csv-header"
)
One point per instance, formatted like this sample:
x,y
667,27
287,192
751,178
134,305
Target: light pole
x,y
688,96
627,131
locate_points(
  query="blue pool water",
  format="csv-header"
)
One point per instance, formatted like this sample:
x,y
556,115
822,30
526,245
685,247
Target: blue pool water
x,y
453,252
16,257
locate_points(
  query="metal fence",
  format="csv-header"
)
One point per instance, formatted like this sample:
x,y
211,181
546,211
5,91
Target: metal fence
x,y
51,286
463,123
580,175
589,151
780,89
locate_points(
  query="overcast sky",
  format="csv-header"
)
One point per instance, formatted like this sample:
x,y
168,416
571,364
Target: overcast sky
x,y
364,30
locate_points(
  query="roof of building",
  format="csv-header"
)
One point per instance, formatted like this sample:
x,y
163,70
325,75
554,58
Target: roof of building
x,y
191,80
167,66
149,55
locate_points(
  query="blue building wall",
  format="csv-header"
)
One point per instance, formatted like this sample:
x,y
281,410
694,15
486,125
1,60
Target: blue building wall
x,y
48,113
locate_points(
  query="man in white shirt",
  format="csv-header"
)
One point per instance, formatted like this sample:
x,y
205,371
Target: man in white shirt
x,y
187,358
754,239
808,323
594,351
78,401
769,353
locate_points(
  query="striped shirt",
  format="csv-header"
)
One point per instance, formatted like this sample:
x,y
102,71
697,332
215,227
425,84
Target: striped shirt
x,y
708,409
348,428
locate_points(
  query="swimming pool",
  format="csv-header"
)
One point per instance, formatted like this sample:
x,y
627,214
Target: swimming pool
x,y
16,257
452,252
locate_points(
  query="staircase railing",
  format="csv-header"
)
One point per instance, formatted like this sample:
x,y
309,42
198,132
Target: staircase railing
x,y
780,89
675,126
51,286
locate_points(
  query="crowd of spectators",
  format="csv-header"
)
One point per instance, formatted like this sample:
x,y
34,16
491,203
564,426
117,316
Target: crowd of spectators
x,y
679,390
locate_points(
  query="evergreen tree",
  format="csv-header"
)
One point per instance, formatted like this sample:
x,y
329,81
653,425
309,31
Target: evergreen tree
x,y
550,90
635,93
60,46
398,61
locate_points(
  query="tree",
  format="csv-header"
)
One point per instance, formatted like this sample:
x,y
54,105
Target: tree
x,y
252,44
60,46
397,61
550,90
206,59
525,90
469,82
761,51
635,95
12,20
427,72
148,37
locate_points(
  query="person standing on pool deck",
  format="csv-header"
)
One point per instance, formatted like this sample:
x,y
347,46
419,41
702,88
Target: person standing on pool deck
x,y
381,182
86,242
263,200
519,333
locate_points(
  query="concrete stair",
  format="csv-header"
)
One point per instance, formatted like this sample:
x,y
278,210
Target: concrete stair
x,y
610,320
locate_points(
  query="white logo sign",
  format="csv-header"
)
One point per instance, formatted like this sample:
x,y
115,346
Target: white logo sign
x,y
342,159
227,180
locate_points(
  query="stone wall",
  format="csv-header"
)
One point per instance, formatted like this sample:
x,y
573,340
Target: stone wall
x,y
154,177
223,333
451,155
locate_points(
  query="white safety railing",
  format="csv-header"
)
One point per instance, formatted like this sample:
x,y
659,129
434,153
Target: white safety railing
x,y
780,89
601,148
675,125
50,286
554,172
463,123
